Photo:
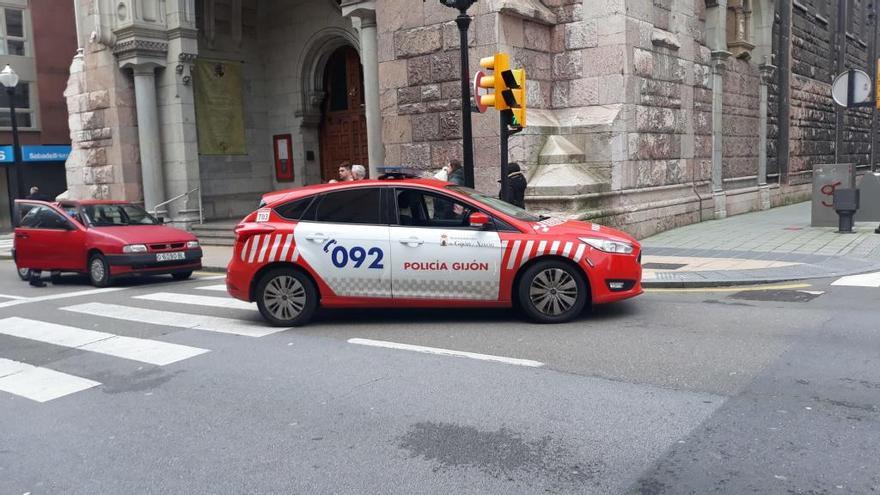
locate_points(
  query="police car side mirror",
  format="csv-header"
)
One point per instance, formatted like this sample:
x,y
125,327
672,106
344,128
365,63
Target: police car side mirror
x,y
479,219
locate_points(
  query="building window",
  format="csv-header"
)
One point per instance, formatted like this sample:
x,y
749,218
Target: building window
x,y
24,109
12,32
739,28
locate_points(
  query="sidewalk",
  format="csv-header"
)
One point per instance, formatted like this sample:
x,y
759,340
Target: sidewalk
x,y
769,246
763,247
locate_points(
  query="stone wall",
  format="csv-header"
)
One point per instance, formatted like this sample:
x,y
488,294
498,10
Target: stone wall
x,y
104,161
232,183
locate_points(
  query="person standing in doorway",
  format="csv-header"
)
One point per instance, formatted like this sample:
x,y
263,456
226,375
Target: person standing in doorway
x,y
345,172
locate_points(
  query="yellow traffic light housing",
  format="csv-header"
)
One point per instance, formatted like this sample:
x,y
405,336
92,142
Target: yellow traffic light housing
x,y
498,64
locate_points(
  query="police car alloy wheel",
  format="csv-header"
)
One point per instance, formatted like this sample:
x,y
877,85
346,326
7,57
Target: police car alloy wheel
x,y
552,292
24,273
286,297
99,271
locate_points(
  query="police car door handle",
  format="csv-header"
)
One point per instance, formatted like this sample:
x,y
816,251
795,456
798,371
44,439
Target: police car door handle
x,y
412,241
316,237
21,236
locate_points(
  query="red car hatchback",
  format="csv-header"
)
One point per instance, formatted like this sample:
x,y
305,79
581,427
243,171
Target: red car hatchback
x,y
422,243
103,239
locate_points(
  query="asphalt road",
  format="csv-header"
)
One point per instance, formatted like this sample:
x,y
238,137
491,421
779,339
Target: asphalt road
x,y
713,391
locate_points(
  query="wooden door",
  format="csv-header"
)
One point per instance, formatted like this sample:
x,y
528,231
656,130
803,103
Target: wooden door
x,y
343,123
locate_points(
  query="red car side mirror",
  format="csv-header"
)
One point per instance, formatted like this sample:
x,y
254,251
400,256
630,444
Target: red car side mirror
x,y
479,219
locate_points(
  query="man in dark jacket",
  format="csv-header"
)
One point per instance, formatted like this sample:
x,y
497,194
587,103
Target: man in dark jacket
x,y
516,186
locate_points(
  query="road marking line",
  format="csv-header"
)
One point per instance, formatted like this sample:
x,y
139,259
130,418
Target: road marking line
x,y
863,280
135,349
39,384
65,295
17,298
736,289
178,320
211,277
218,287
446,352
210,301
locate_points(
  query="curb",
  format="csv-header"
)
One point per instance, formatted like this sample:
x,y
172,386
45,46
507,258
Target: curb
x,y
710,284
213,269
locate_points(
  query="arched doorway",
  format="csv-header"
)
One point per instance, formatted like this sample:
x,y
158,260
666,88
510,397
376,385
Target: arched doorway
x,y
343,131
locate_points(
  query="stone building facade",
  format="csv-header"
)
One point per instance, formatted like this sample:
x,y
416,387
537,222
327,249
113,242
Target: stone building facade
x,y
646,114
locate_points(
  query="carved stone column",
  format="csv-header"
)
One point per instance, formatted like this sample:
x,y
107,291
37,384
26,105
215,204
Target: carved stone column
x,y
148,136
719,65
365,12
764,192
143,57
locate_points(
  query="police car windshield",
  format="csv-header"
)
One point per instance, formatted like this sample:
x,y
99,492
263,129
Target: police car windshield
x,y
497,204
118,215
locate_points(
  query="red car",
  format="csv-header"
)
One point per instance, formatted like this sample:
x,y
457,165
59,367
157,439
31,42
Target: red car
x,y
104,239
422,243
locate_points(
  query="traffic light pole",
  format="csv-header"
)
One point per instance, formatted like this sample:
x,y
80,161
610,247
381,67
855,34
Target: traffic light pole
x,y
506,118
505,121
463,21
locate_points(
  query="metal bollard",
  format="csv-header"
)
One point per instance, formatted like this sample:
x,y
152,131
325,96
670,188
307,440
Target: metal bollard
x,y
846,203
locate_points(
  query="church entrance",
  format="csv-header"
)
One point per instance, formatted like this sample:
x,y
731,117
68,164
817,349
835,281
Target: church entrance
x,y
343,131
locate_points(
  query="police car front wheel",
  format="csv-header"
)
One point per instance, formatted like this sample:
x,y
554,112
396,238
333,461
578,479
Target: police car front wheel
x,y
286,297
552,292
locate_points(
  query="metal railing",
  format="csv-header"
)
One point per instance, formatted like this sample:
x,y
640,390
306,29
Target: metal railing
x,y
186,205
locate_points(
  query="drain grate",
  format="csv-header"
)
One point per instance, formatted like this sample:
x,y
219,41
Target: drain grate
x,y
663,266
777,295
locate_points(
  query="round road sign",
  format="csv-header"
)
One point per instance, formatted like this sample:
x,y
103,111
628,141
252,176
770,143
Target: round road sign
x,y
861,92
479,91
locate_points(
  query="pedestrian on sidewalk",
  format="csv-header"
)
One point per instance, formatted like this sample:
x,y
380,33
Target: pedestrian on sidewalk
x,y
358,172
456,173
516,186
36,195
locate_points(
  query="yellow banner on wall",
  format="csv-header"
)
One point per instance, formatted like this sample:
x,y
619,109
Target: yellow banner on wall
x,y
219,107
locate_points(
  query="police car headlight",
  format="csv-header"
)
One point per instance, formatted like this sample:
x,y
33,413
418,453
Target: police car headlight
x,y
608,245
134,248
192,244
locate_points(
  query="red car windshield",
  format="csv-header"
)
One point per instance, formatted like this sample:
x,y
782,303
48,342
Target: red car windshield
x,y
117,215
497,204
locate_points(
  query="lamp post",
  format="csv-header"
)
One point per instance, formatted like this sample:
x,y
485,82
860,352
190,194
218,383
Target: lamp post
x,y
463,21
9,80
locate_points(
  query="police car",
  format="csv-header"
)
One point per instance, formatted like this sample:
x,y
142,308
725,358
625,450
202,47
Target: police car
x,y
422,243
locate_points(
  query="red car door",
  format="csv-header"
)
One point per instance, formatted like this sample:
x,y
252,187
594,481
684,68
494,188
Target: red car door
x,y
46,239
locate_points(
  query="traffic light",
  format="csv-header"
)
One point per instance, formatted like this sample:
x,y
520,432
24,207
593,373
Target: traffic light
x,y
498,64
515,95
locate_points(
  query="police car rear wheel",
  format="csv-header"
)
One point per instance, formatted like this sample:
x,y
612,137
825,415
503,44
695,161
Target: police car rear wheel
x,y
552,292
99,271
286,297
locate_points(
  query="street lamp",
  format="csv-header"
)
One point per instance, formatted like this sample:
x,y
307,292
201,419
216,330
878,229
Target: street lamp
x,y
464,20
9,79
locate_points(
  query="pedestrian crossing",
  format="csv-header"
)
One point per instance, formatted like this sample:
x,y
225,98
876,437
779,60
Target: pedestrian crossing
x,y
6,246
40,383
864,280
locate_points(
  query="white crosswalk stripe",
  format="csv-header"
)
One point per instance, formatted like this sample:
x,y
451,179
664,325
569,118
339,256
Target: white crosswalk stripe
x,y
6,246
218,288
863,280
178,320
135,349
37,383
195,300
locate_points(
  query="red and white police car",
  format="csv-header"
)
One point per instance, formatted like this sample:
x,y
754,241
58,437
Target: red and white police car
x,y
422,243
